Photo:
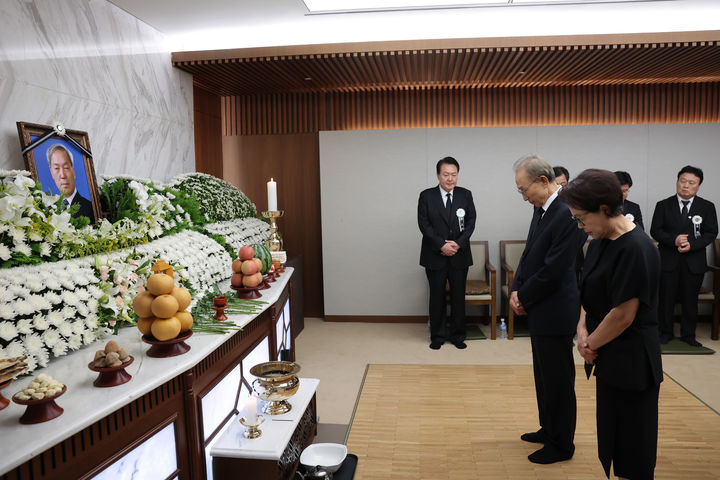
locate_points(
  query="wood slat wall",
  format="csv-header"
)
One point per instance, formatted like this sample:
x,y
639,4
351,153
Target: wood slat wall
x,y
446,107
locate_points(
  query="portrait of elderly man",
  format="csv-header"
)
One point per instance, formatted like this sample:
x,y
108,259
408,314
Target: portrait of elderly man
x,y
62,169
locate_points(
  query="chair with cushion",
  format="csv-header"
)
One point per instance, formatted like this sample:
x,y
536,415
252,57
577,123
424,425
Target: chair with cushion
x,y
480,288
711,295
510,253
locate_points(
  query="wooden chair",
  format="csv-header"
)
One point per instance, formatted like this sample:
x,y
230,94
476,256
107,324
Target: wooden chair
x,y
510,253
712,295
481,281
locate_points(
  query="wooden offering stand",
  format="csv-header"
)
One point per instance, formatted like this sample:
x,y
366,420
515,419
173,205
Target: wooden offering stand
x,y
4,402
111,376
219,305
168,348
247,293
42,410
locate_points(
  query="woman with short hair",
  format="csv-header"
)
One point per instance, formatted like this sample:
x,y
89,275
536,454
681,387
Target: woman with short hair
x,y
618,329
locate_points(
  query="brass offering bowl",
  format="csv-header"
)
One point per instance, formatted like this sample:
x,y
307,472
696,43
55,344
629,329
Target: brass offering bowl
x,y
275,383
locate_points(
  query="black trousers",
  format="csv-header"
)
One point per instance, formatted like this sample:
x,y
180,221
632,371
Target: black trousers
x,y
685,284
627,430
554,370
437,279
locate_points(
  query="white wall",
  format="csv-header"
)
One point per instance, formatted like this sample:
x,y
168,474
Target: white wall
x,y
370,181
95,68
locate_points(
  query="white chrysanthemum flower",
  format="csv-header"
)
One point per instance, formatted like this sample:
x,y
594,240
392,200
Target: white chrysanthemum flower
x,y
74,342
82,310
59,349
53,284
92,305
23,307
40,322
23,248
82,294
65,329
14,349
91,322
38,302
33,343
51,337
69,313
35,285
42,357
69,298
8,331
6,296
55,317
89,337
31,364
78,327
24,326
68,284
35,236
52,297
5,252
45,249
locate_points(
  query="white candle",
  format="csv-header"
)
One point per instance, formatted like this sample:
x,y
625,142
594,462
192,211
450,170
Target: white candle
x,y
272,195
251,410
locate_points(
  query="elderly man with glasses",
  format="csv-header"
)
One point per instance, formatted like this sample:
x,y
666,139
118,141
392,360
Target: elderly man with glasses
x,y
546,290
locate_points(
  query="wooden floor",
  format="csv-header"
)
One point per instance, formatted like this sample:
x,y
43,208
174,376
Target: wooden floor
x,y
464,422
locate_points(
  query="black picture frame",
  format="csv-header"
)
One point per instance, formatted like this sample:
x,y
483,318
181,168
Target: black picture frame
x,y
36,140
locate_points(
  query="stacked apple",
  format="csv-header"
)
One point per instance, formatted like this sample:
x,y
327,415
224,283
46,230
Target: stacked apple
x,y
247,270
161,308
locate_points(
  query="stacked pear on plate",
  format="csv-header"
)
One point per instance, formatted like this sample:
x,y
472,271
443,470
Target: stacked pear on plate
x,y
161,307
247,269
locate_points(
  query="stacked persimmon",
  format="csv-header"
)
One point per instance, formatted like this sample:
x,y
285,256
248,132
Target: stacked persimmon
x,y
247,270
161,308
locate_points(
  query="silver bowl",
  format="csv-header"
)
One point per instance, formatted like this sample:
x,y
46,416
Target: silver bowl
x,y
275,383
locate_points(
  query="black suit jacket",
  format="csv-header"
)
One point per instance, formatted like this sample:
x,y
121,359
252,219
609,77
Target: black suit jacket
x,y
86,209
436,228
667,224
545,279
633,209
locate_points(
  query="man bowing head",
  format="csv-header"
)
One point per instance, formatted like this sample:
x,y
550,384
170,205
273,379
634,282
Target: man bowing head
x,y
446,217
545,289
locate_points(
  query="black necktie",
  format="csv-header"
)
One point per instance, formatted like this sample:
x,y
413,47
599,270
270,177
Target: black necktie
x,y
685,210
66,204
535,222
540,214
448,206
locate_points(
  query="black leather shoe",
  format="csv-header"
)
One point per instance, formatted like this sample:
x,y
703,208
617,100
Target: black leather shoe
x,y
460,345
665,338
692,342
533,437
435,345
547,455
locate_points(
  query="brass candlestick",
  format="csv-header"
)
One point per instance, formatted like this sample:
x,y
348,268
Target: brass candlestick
x,y
274,242
251,429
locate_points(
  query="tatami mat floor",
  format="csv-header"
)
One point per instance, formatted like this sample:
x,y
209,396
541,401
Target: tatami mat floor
x,y
338,354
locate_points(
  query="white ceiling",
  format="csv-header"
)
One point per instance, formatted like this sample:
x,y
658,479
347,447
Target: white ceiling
x,y
219,24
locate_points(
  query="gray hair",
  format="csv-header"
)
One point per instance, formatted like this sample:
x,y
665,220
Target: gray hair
x,y
535,167
55,148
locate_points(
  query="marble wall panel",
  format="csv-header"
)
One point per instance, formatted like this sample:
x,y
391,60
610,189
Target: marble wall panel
x,y
94,67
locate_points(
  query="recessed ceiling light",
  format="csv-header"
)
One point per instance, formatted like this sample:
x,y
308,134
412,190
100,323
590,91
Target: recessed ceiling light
x,y
357,6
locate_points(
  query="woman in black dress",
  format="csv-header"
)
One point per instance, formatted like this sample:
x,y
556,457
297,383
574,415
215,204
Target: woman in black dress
x,y
618,329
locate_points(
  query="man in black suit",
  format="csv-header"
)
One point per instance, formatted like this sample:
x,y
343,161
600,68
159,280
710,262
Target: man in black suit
x,y
446,217
546,290
683,225
630,209
62,170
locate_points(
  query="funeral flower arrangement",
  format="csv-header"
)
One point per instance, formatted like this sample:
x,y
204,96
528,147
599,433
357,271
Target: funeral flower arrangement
x,y
240,231
64,284
219,200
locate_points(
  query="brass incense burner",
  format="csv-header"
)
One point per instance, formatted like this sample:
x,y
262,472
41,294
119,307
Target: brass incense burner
x,y
275,383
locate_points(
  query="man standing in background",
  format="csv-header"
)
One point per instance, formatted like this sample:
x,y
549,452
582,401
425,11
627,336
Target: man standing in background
x,y
630,209
446,217
562,176
683,225
546,290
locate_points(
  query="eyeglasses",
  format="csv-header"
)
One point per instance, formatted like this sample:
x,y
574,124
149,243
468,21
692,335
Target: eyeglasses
x,y
523,191
579,219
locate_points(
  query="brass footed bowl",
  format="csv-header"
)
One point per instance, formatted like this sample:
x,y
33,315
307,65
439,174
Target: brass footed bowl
x,y
275,383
